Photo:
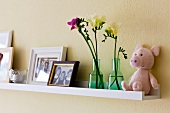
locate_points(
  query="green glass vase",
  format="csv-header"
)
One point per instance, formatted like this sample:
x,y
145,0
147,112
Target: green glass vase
x,y
96,76
115,77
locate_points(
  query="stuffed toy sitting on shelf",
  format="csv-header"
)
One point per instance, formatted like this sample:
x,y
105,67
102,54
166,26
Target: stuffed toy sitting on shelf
x,y
142,79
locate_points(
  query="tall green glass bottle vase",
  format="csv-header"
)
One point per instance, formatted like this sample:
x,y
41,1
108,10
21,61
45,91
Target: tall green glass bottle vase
x,y
96,76
115,78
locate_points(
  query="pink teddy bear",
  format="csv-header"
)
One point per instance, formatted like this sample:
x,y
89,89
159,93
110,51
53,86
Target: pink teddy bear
x,y
142,79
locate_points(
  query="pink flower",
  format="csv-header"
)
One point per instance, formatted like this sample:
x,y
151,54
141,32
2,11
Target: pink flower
x,y
72,23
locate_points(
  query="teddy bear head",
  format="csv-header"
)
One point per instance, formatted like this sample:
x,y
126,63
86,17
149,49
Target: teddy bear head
x,y
143,57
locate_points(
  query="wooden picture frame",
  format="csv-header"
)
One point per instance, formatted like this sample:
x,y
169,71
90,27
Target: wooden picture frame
x,y
41,60
5,39
6,60
63,73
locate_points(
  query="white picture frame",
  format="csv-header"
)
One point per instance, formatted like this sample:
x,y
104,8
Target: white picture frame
x,y
5,39
38,58
6,61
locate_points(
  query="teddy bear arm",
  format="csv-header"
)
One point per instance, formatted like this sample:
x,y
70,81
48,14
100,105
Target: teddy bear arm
x,y
153,81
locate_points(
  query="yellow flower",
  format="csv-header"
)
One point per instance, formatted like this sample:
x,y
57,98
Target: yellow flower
x,y
96,21
112,29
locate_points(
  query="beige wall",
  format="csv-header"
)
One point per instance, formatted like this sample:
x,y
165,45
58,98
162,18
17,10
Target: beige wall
x,y
40,23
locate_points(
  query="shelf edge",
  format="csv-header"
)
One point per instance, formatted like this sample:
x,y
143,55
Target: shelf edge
x,y
117,94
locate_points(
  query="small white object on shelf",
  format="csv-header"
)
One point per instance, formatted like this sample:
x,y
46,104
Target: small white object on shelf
x,y
132,95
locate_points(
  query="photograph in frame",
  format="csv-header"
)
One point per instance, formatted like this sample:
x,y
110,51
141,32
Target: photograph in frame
x,y
5,39
41,60
63,73
43,68
6,60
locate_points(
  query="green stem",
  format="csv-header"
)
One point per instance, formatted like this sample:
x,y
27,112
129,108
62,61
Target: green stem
x,y
118,54
92,45
96,64
112,83
95,32
97,73
115,63
115,48
85,38
95,59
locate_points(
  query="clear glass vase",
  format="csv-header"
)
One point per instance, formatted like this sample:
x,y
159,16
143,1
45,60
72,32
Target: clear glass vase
x,y
96,76
115,77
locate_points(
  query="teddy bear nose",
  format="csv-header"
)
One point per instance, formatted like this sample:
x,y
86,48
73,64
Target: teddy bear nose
x,y
134,61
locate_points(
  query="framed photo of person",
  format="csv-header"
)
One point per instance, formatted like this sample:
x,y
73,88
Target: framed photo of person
x,y
63,73
41,61
5,39
6,60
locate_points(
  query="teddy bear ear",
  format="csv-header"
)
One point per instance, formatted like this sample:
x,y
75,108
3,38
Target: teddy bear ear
x,y
138,47
155,50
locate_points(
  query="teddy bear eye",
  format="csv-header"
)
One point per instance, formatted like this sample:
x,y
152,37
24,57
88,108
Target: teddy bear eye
x,y
141,54
135,54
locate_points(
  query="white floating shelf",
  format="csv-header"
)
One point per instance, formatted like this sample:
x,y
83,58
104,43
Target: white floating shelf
x,y
132,95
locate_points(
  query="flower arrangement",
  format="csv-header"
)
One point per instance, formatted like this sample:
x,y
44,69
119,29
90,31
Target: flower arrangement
x,y
110,32
96,24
